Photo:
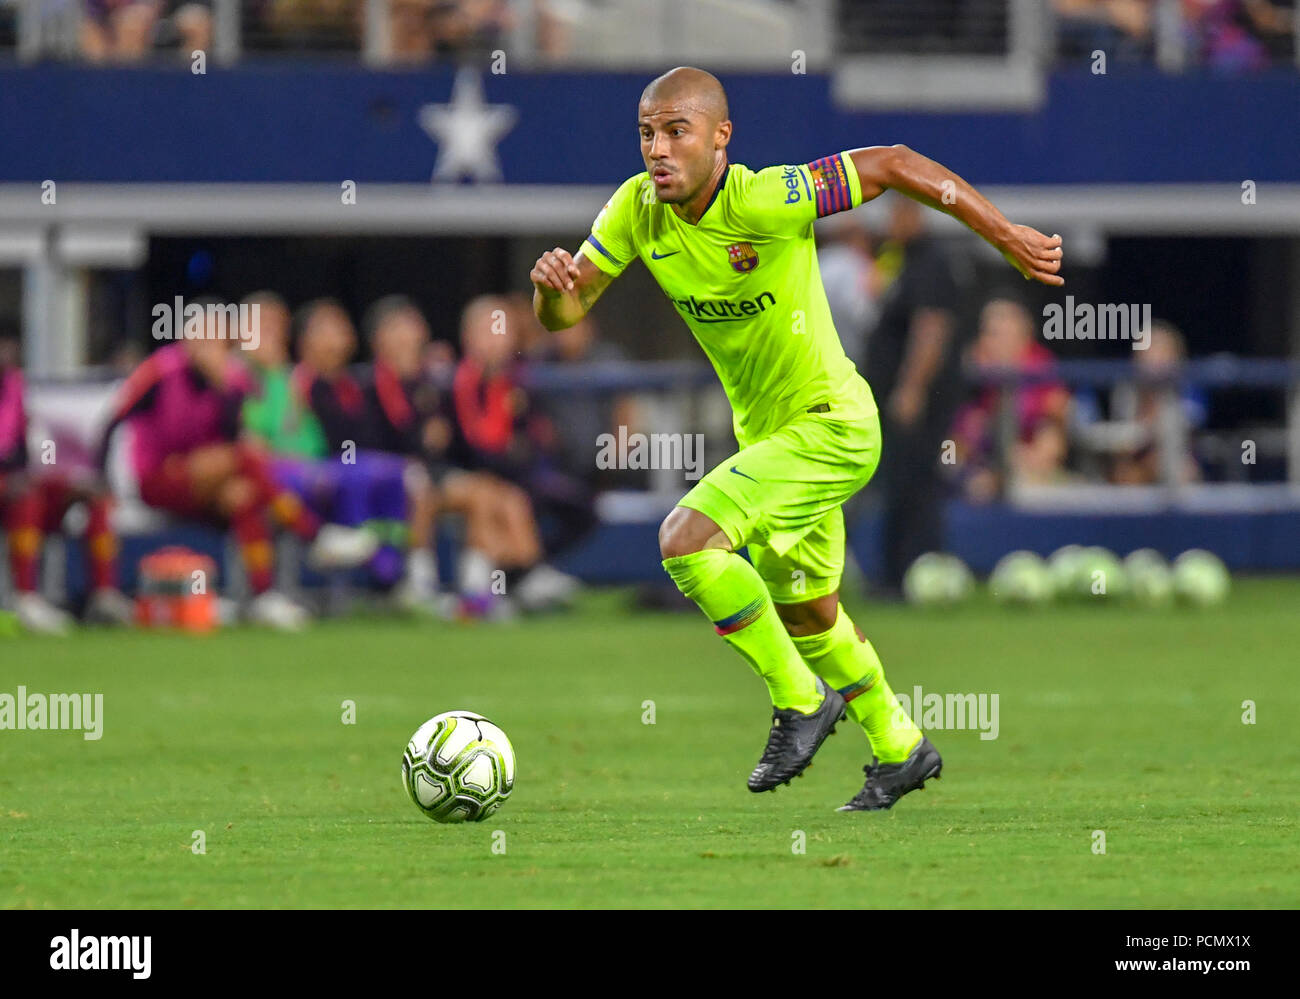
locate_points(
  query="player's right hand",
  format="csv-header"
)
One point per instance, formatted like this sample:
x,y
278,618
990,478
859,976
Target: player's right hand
x,y
554,272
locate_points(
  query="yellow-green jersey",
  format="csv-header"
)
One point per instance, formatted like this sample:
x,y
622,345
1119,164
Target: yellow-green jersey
x,y
745,280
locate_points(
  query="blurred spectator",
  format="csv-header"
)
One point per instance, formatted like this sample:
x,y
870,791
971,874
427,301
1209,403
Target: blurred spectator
x,y
555,20
853,281
274,413
35,495
580,418
421,30
343,475
130,30
1120,28
188,27
118,30
412,29
1005,339
415,418
532,340
469,27
914,370
1236,34
1040,460
507,432
1158,410
315,24
183,406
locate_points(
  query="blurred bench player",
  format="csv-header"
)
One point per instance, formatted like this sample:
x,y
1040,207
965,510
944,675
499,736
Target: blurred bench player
x,y
183,406
35,497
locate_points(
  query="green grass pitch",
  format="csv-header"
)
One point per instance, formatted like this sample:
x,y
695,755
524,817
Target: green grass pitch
x,y
1111,719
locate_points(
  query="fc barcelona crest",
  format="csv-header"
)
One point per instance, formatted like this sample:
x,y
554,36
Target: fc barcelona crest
x,y
743,257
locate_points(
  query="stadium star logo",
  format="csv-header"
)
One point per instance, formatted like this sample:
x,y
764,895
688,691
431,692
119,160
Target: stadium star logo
x,y
743,257
467,130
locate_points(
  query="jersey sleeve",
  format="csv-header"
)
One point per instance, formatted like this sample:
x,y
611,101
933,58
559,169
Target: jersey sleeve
x,y
610,246
785,200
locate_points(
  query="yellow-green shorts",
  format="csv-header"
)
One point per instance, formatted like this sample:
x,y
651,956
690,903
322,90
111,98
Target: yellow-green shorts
x,y
783,497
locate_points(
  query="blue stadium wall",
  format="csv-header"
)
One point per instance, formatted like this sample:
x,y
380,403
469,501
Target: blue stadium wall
x,y
287,124
322,124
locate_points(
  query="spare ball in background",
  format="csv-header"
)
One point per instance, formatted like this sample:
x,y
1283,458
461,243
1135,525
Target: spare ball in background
x,y
1201,578
1100,575
1063,566
1021,577
961,581
1150,580
937,579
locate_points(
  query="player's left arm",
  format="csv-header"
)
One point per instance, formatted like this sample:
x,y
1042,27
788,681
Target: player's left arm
x,y
898,168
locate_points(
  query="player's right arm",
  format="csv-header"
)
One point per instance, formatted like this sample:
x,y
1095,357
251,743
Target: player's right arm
x,y
566,287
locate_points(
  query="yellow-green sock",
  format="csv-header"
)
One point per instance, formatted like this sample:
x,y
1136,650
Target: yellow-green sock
x,y
847,662
732,595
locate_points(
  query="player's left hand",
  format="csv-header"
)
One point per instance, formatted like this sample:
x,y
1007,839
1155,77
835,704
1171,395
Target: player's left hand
x,y
1034,255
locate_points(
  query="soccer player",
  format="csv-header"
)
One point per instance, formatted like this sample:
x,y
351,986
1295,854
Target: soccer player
x,y
733,250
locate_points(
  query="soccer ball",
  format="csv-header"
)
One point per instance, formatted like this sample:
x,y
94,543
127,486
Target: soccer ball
x,y
1021,577
458,767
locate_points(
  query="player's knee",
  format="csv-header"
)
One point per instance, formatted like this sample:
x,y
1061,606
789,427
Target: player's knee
x,y
810,617
685,531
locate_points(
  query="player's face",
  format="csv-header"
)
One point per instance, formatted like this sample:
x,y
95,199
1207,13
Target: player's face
x,y
678,147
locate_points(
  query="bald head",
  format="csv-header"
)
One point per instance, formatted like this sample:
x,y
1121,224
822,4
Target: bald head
x,y
684,126
688,87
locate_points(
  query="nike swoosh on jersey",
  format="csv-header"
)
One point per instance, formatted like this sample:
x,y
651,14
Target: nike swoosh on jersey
x,y
739,472
656,255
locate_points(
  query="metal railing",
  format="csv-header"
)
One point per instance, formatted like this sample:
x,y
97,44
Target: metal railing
x,y
1173,437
